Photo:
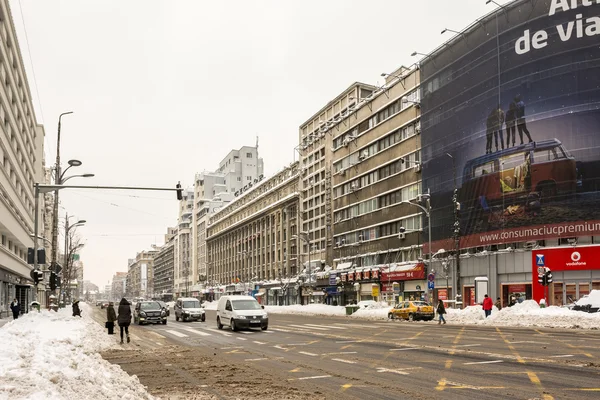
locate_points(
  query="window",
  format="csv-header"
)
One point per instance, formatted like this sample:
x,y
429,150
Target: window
x,y
248,155
248,178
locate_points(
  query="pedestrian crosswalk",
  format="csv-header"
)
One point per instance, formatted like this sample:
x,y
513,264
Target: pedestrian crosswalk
x,y
208,331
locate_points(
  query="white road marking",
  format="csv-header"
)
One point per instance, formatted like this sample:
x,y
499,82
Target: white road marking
x,y
309,377
564,355
175,333
484,362
340,352
328,326
308,354
348,341
197,332
344,361
467,345
257,342
406,348
352,325
309,327
241,338
232,347
527,341
279,347
395,371
158,343
255,359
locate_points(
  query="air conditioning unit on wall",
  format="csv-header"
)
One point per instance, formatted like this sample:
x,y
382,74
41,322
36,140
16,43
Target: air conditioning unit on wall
x,y
402,236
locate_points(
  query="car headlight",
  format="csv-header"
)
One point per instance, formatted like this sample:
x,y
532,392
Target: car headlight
x,y
265,315
241,317
163,313
186,312
142,314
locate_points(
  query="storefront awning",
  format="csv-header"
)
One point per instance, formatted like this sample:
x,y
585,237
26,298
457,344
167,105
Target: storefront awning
x,y
404,272
345,265
259,294
275,288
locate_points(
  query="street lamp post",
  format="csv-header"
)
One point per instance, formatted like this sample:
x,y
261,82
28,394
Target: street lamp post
x,y
456,229
67,250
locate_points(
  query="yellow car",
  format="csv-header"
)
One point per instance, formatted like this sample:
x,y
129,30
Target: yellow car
x,y
412,311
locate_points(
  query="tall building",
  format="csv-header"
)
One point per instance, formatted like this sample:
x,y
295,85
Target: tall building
x,y
164,267
315,149
140,275
254,239
118,286
183,268
21,165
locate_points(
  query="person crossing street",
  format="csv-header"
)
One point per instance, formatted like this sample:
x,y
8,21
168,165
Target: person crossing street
x,y
488,304
441,310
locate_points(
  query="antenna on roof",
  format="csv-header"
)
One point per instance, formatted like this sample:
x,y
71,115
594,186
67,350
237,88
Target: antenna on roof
x,y
257,145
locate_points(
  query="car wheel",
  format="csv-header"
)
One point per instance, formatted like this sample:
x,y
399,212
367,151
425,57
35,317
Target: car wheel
x,y
219,324
203,317
391,316
264,328
176,318
232,325
165,322
411,317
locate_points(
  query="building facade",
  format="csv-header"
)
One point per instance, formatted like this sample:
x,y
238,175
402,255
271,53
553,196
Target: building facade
x,y
255,238
118,286
164,269
184,272
21,166
140,275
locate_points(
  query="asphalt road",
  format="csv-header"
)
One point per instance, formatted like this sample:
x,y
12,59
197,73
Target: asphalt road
x,y
348,358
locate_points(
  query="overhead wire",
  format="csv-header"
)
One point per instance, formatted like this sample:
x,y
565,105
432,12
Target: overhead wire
x,y
124,207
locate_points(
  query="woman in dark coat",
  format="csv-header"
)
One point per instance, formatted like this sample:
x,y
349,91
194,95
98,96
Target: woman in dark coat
x,y
124,318
111,317
76,309
15,307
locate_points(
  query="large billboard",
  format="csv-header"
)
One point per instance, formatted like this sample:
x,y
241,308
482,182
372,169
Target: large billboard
x,y
511,119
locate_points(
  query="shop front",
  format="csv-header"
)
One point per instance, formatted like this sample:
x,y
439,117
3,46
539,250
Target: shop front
x,y
358,284
575,272
409,279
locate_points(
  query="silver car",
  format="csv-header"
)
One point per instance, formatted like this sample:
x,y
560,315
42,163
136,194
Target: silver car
x,y
189,309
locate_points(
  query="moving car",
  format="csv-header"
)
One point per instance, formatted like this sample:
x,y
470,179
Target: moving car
x,y
412,311
149,312
104,304
239,312
189,309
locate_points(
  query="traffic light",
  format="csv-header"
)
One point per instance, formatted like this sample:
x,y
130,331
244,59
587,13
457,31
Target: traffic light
x,y
41,256
36,276
179,191
545,278
52,281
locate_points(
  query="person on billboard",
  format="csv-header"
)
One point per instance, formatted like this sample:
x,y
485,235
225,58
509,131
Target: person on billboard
x,y
521,125
499,121
511,121
489,132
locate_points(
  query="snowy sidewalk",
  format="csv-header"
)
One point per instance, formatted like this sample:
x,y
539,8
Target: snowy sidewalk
x,y
51,355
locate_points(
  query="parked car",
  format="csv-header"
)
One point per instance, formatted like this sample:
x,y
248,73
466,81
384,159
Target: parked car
x,y
149,312
188,309
241,312
412,311
368,304
99,303
588,303
104,304
165,306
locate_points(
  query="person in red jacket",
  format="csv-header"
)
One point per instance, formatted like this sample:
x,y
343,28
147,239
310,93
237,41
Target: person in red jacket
x,y
488,303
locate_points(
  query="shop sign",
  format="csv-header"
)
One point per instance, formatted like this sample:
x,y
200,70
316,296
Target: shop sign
x,y
418,272
375,291
516,289
350,276
375,274
366,274
357,276
442,294
332,278
344,276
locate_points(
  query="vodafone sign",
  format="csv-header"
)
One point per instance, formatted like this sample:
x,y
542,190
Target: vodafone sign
x,y
566,258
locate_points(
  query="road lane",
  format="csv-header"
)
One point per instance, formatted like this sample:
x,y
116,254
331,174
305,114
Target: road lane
x,y
335,356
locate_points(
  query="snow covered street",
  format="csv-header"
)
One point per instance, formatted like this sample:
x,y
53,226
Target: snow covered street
x,y
50,355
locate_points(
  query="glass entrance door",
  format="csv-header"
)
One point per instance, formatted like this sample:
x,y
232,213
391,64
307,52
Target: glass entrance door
x,y
573,291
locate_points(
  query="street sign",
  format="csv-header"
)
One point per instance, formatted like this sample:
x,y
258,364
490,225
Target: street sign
x,y
431,277
540,260
332,279
430,285
541,270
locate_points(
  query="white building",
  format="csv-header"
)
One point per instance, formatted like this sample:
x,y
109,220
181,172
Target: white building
x,y
21,165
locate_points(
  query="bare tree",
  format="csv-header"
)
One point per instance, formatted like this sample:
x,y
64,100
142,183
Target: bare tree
x,y
70,270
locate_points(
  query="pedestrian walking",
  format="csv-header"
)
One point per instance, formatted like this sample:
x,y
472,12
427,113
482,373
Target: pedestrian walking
x,y
15,307
498,304
441,310
488,303
124,318
76,309
111,317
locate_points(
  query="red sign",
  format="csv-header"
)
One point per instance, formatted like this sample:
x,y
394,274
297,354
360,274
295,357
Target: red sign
x,y
344,277
350,276
442,294
375,274
517,288
562,259
357,275
366,274
417,272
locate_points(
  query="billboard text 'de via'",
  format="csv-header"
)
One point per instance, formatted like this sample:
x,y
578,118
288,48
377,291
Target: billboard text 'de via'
x,y
519,111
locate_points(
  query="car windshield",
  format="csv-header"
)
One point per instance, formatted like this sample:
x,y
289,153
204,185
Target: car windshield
x,y
245,305
149,306
191,304
420,303
162,304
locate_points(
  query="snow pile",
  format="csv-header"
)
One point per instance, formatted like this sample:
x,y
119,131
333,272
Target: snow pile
x,y
52,355
380,311
312,309
527,313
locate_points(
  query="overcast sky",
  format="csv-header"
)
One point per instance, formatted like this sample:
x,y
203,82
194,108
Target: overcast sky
x,y
161,90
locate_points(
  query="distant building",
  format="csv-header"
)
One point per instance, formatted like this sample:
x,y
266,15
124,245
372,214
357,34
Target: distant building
x,y
119,281
140,275
164,268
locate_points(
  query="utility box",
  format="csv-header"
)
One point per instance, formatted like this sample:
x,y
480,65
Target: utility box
x,y
481,288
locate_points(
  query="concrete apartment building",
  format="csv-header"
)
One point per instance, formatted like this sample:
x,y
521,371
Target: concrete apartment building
x,y
140,275
164,267
252,238
315,149
118,286
183,273
21,166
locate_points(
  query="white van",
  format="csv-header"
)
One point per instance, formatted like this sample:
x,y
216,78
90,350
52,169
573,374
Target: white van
x,y
241,312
